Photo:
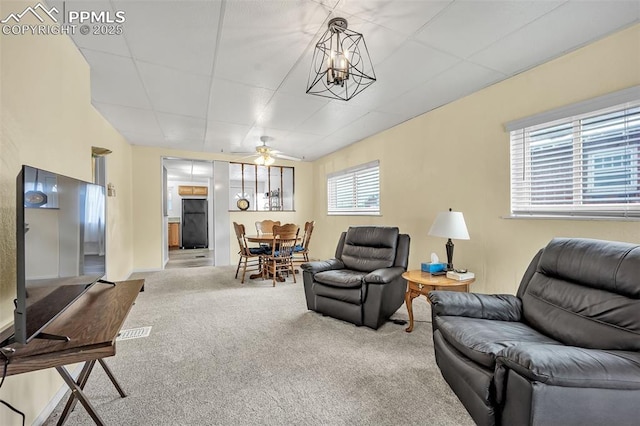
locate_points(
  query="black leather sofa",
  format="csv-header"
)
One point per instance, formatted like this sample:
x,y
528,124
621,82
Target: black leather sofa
x,y
563,351
363,284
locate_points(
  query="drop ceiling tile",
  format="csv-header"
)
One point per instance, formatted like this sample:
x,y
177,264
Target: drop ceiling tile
x,y
286,112
369,124
178,128
127,119
237,103
202,168
405,18
330,118
144,139
115,80
180,35
175,92
411,65
381,42
252,139
188,169
224,137
260,52
461,80
468,26
570,26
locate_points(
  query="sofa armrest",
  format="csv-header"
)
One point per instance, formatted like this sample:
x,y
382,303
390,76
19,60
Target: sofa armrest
x,y
321,266
569,366
384,275
501,307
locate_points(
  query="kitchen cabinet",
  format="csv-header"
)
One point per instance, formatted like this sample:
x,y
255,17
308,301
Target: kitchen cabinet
x,y
193,190
174,235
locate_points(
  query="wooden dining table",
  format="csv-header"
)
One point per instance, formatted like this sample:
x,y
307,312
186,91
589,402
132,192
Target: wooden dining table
x,y
260,238
264,238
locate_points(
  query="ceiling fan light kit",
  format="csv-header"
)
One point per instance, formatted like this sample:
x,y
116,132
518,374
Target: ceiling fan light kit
x,y
265,155
341,66
264,160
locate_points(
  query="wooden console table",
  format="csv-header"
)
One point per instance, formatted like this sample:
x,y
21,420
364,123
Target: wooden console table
x,y
419,282
92,323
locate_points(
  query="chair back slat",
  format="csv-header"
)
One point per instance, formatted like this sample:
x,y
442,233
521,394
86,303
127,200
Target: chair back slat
x,y
266,226
288,230
247,259
242,239
308,230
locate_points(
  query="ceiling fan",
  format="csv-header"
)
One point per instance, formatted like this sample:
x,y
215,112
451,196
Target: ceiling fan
x,y
265,155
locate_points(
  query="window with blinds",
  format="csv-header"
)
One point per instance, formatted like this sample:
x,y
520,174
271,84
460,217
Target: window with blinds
x,y
584,165
355,190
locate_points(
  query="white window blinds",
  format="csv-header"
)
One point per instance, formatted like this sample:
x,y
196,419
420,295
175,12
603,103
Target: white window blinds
x,y
355,190
584,165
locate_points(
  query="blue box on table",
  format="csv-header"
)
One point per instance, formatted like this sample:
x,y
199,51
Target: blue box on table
x,y
432,267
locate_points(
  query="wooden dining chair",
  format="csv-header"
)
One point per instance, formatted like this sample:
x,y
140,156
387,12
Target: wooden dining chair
x,y
250,257
301,251
266,226
280,258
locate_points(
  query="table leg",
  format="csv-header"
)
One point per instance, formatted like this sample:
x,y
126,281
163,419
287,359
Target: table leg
x,y
112,378
408,300
77,392
72,401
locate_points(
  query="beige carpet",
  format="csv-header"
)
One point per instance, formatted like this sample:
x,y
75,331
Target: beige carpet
x,y
223,353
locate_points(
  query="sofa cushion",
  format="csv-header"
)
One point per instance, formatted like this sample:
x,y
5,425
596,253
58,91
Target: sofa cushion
x,y
482,340
343,278
586,293
367,248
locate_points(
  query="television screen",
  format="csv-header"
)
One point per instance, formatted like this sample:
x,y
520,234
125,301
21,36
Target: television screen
x,y
60,246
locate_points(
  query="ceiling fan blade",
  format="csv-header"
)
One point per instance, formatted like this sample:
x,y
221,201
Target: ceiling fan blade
x,y
286,157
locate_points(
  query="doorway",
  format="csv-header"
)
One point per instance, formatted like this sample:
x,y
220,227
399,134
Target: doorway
x,y
184,178
187,213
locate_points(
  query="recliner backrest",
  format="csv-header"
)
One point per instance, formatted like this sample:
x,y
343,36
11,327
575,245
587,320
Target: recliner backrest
x,y
586,293
367,248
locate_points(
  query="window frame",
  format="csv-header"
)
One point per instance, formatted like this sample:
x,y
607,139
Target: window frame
x,y
582,202
351,175
279,195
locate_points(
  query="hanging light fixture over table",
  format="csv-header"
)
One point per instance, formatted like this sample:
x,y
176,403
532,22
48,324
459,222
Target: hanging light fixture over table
x,y
341,66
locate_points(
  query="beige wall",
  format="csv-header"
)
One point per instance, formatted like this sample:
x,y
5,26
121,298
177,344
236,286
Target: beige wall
x,y
47,121
147,204
458,156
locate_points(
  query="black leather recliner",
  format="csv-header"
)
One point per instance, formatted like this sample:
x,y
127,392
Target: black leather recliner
x,y
563,351
363,284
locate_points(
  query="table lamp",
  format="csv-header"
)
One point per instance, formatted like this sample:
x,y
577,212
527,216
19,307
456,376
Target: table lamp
x,y
449,225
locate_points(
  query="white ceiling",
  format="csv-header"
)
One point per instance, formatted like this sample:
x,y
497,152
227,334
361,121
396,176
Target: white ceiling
x,y
216,75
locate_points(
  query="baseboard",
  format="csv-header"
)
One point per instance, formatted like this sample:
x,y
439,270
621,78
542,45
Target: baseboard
x,y
146,270
53,403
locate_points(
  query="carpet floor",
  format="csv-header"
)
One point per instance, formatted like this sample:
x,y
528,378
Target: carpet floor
x,y
225,353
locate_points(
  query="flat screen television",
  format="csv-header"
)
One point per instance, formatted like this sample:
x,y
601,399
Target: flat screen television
x,y
60,246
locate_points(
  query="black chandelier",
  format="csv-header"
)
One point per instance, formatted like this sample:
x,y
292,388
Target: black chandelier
x,y
341,66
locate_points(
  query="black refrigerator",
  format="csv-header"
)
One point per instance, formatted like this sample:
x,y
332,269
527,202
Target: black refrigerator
x,y
195,231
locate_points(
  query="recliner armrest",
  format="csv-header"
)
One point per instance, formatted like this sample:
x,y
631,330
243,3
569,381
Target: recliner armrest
x,y
383,275
501,307
321,266
569,366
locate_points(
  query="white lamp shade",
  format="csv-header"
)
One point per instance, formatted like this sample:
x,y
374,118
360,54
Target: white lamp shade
x,y
450,225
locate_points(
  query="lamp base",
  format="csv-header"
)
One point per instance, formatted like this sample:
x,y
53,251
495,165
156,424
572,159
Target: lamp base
x,y
449,248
